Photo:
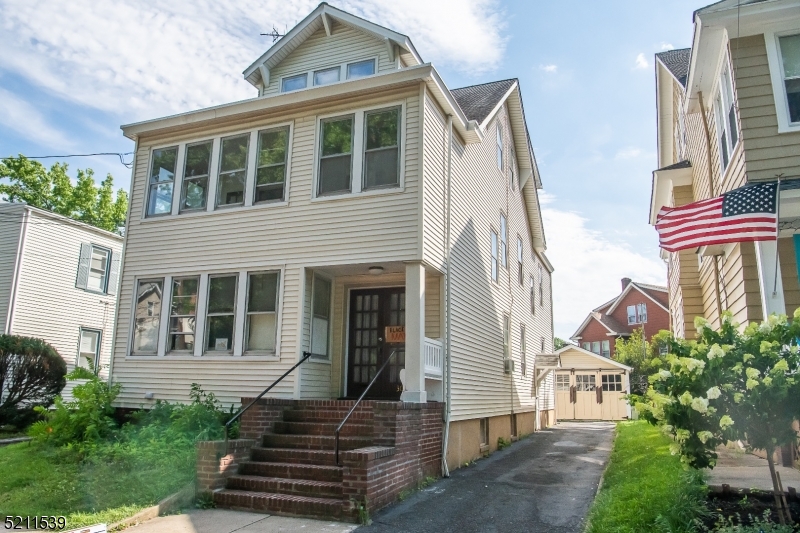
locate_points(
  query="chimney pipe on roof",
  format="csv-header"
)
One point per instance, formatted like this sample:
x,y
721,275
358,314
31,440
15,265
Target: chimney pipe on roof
x,y
625,282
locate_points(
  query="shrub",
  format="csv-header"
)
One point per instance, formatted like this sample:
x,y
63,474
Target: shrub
x,y
31,374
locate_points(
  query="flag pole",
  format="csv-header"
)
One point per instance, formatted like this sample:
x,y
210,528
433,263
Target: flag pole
x,y
777,233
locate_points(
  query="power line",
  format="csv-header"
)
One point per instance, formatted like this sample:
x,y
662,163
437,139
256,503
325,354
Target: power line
x,y
120,155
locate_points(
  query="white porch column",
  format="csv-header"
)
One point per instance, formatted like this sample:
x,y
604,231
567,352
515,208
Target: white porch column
x,y
415,335
766,256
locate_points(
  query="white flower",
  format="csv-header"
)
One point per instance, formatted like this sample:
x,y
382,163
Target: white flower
x,y
665,374
751,384
685,398
715,352
713,393
752,373
700,323
692,364
674,449
725,422
700,405
765,327
704,436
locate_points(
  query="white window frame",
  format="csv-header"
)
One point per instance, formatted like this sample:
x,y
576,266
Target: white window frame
x,y
641,318
247,171
494,245
314,73
176,186
532,283
520,262
587,346
724,99
775,63
132,323
597,345
348,63
214,174
563,385
206,313
605,348
499,140
541,285
286,159
180,176
199,310
296,75
98,349
357,162
314,277
240,348
109,254
506,337
633,316
503,240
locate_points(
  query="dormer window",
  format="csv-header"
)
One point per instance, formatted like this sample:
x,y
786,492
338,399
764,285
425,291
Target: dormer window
x,y
294,83
360,69
326,76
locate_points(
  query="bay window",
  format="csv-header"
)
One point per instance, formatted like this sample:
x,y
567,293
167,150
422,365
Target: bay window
x,y
336,155
262,312
147,316
183,314
232,170
271,165
162,180
382,149
220,313
195,176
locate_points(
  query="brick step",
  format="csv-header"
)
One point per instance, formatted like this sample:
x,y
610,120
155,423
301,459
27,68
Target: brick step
x,y
283,504
351,429
333,416
314,442
300,487
290,455
292,471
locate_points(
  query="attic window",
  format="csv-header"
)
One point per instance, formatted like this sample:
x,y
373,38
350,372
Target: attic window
x,y
326,76
360,69
294,83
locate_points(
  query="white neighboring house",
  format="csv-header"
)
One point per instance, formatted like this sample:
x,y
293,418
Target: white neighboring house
x,y
58,282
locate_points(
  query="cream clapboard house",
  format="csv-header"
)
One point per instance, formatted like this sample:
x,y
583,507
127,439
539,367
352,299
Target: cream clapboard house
x,y
321,216
58,282
729,115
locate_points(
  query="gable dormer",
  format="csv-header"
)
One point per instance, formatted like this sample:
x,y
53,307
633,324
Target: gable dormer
x,y
329,46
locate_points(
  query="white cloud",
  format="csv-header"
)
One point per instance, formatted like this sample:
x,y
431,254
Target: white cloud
x,y
629,152
641,62
667,46
549,68
144,59
589,266
19,116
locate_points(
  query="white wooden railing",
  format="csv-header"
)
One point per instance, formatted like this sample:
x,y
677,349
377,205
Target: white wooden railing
x,y
433,358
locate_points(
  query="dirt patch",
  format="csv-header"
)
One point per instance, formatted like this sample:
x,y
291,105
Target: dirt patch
x,y
743,508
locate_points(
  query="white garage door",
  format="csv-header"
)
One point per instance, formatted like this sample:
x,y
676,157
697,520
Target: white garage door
x,y
590,395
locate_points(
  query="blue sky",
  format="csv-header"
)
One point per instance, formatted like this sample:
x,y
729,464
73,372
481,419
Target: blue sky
x,y
72,72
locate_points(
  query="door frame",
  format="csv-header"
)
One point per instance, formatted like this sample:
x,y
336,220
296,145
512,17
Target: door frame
x,y
346,326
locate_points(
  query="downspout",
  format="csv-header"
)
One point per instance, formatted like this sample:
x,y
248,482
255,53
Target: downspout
x,y
447,326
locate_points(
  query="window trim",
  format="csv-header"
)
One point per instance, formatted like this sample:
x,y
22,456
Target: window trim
x,y
180,177
98,350
148,188
364,187
506,336
297,75
206,314
503,240
314,83
374,60
532,283
359,137
197,309
286,159
132,324
520,262
720,110
523,345
109,255
494,257
248,170
314,276
500,145
775,63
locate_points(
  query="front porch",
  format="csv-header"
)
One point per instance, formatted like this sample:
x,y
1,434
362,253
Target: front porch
x,y
355,317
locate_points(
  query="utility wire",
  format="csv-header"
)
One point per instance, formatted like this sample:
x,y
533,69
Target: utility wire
x,y
120,155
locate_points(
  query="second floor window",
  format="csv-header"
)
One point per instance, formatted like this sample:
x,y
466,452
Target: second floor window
x,y
232,170
503,241
522,347
790,56
533,294
541,286
520,273
162,181
727,127
336,155
494,245
605,348
499,146
271,165
382,151
637,314
96,270
195,176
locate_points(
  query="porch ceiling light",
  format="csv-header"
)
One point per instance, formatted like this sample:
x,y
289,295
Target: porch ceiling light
x,y
376,270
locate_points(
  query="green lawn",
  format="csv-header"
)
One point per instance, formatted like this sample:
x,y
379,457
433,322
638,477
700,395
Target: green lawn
x,y
645,487
40,480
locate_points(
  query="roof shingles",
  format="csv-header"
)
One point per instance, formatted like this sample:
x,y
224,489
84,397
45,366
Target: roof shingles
x,y
677,62
477,101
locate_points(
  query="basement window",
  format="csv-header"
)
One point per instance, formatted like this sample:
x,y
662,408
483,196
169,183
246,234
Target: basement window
x,y
484,431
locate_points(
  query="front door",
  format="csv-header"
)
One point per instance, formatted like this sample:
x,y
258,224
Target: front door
x,y
377,329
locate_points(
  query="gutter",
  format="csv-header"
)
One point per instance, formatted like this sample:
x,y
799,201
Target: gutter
x,y
447,306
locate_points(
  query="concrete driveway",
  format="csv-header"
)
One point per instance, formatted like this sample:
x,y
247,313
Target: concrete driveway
x,y
543,483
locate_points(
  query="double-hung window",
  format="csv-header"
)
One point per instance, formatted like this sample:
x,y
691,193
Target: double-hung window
x,y
320,316
294,83
533,294
789,50
382,150
522,346
336,155
183,314
499,145
637,314
587,346
495,260
99,266
271,165
162,181
641,311
503,241
541,286
232,170
631,309
360,69
596,347
326,76
727,127
262,312
195,176
147,317
220,313
520,270
605,348
89,349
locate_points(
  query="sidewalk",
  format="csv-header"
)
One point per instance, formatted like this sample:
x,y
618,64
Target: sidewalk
x,y
742,470
227,521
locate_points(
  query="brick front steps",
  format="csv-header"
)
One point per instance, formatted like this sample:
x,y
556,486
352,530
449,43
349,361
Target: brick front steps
x,y
285,463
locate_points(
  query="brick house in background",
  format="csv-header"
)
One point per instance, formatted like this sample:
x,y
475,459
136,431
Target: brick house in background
x,y
639,305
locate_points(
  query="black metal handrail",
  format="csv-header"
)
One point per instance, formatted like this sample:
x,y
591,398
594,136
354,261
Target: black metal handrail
x,y
306,355
347,416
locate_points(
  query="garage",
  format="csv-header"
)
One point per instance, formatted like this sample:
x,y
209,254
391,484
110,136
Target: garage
x,y
590,386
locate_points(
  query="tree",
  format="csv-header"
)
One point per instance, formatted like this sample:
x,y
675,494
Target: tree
x,y
729,385
642,355
32,183
559,343
31,374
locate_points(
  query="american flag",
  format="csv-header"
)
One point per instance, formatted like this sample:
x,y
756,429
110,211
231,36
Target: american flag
x,y
744,214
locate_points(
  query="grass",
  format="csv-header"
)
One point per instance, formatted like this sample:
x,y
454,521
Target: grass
x,y
41,480
645,487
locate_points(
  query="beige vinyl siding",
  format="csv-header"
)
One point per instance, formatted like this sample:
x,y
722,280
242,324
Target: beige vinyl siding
x,y
434,179
767,152
48,305
10,234
433,301
481,192
303,234
574,359
345,45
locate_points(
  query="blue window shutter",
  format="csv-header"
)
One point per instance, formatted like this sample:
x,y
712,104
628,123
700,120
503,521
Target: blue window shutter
x,y
113,274
83,265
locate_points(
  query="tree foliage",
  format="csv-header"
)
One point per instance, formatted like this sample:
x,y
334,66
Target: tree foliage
x,y
642,355
559,343
30,182
32,373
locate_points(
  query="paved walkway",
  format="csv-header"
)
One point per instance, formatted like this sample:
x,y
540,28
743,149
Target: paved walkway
x,y
227,521
544,483
742,470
